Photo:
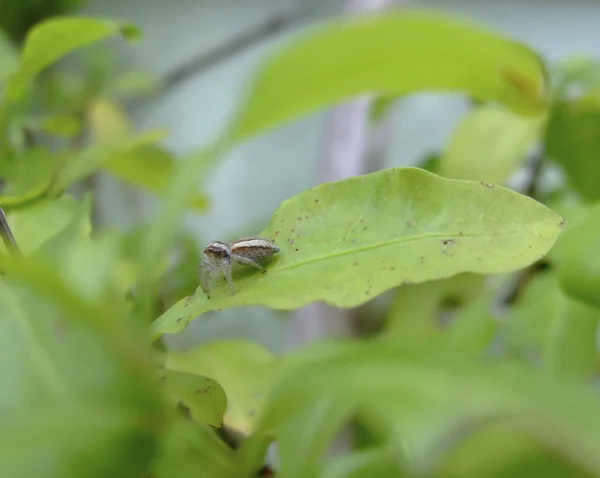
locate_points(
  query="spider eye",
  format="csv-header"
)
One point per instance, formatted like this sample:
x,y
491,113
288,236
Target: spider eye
x,y
218,250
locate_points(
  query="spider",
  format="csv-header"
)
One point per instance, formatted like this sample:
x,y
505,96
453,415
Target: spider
x,y
218,258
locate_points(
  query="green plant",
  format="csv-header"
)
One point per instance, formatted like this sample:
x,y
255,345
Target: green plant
x,y
461,378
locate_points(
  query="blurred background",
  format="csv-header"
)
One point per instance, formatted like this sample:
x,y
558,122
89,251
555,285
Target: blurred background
x,y
189,72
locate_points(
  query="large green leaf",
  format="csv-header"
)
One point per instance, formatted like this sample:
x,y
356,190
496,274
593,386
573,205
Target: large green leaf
x,y
77,395
392,54
52,39
488,144
243,370
573,141
413,394
348,241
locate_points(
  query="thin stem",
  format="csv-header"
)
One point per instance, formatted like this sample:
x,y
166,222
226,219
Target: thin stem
x,y
7,236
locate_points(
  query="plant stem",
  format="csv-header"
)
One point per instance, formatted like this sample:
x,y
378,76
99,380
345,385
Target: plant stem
x,y
7,236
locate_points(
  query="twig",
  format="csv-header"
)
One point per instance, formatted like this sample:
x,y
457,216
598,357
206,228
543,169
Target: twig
x,y
537,167
204,61
7,236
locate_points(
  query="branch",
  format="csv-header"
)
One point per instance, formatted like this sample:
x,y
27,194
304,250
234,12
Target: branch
x,y
204,61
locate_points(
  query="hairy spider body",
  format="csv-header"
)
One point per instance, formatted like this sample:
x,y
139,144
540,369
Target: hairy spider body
x,y
219,258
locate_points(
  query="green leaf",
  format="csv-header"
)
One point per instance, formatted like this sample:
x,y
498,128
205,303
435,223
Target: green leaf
x,y
93,158
488,144
496,451
365,464
242,368
77,398
37,224
570,343
573,140
28,177
61,124
133,84
415,313
348,241
392,54
552,329
9,57
150,167
203,399
188,450
52,39
577,261
433,390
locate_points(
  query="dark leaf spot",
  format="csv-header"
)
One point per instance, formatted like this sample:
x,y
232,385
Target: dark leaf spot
x,y
299,218
487,185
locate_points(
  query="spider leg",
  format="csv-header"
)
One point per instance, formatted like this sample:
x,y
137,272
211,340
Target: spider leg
x,y
225,267
247,261
204,272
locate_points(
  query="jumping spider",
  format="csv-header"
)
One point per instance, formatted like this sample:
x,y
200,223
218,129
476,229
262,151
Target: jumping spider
x,y
218,258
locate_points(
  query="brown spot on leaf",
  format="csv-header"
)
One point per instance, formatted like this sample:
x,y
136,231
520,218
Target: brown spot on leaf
x,y
487,185
299,218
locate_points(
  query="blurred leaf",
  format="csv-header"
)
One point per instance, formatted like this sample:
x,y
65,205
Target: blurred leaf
x,y
203,398
92,158
527,321
28,177
552,329
415,313
347,57
181,279
577,261
581,71
573,141
150,167
498,452
348,241
473,327
76,395
37,224
559,413
243,370
9,58
132,84
189,450
52,39
382,463
381,106
18,17
107,122
570,343
488,144
60,124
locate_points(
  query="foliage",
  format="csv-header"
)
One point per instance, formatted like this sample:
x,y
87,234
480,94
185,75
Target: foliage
x,y
461,379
